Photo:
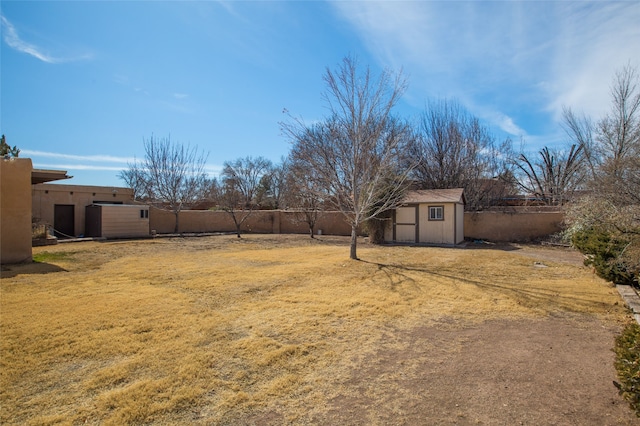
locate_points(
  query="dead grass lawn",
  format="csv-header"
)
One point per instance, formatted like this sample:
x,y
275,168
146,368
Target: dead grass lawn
x,y
213,330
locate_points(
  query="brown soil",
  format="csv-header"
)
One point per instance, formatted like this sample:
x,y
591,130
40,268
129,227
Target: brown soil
x,y
543,372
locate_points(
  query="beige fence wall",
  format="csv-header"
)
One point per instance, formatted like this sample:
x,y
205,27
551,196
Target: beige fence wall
x,y
260,221
511,226
491,226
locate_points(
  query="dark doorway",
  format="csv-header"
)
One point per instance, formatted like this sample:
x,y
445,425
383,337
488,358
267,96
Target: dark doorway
x,y
63,220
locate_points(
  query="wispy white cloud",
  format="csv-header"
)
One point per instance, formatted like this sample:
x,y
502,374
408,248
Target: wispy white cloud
x,y
62,166
10,36
92,158
90,162
180,95
502,59
13,40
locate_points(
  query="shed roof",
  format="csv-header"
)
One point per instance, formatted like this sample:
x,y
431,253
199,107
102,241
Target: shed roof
x,y
454,195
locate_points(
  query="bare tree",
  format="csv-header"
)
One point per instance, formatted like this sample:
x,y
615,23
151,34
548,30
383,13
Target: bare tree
x,y
135,178
554,176
171,174
456,151
304,197
273,186
356,153
612,144
618,136
240,184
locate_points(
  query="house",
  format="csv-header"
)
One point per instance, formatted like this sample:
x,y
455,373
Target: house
x,y
62,207
17,176
434,216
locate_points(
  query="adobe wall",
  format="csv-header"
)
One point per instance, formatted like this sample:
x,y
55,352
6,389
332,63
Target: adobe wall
x,y
491,225
260,221
15,210
511,226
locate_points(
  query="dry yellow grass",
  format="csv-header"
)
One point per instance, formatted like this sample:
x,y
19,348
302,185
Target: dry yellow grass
x,y
211,330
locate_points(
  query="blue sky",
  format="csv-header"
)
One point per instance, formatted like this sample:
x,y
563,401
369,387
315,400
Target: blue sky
x,y
82,83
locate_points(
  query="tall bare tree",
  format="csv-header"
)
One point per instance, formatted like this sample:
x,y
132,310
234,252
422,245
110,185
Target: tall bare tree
x,y
357,152
240,184
456,151
612,143
612,147
171,174
554,176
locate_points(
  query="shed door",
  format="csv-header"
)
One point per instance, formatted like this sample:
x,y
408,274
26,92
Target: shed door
x,y
63,220
405,224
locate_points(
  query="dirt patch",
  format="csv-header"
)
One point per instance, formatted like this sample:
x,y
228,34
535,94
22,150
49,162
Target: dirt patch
x,y
556,371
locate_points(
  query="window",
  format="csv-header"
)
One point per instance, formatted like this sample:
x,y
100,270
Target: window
x,y
436,213
144,214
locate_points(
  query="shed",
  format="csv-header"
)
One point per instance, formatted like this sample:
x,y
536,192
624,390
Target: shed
x,y
433,216
117,220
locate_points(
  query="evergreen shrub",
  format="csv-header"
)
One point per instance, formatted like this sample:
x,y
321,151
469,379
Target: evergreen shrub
x,y
603,250
628,365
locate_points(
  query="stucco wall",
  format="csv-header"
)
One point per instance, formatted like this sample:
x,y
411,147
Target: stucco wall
x,y
260,221
15,210
516,226
46,196
491,226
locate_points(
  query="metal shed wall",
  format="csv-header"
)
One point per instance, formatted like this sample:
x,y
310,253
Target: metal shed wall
x,y
117,221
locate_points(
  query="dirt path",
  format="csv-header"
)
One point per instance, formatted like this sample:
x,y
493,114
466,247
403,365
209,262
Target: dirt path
x,y
555,371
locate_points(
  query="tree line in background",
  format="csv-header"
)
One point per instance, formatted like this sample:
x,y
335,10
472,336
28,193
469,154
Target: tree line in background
x,y
362,158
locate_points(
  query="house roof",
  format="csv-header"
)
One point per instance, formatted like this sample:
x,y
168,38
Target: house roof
x,y
455,195
42,176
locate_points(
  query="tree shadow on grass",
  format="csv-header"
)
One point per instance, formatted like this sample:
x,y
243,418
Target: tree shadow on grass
x,y
529,296
34,268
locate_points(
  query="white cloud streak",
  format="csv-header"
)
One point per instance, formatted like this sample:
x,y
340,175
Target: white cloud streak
x,y
499,58
94,158
101,162
92,167
13,40
10,36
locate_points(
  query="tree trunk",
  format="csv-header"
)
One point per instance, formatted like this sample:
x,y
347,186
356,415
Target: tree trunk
x,y
238,230
311,231
354,242
175,230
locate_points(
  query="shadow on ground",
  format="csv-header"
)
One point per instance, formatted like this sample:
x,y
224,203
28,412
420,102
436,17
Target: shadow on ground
x,y
10,271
